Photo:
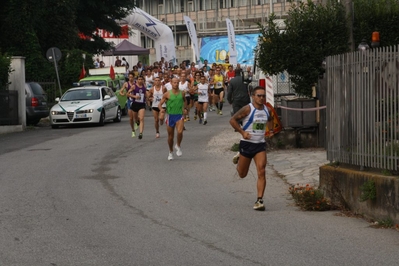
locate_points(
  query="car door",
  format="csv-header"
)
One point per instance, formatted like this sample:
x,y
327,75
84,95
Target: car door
x,y
109,104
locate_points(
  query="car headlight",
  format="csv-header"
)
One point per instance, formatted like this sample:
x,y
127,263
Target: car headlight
x,y
57,112
85,111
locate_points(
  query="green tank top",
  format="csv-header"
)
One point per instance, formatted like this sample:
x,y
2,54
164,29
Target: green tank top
x,y
174,105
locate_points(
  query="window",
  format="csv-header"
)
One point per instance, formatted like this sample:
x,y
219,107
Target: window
x,y
190,6
160,9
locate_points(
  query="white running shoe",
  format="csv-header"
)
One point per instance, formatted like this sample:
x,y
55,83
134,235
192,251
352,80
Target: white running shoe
x,y
170,156
178,151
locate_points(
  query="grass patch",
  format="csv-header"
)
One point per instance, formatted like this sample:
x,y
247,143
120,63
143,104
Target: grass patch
x,y
235,147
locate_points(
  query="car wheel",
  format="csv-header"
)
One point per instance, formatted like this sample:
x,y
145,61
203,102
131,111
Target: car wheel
x,y
102,119
118,117
54,126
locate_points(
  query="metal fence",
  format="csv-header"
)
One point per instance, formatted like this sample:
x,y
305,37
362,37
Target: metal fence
x,y
363,108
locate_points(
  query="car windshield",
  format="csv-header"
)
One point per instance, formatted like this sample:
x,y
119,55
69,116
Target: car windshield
x,y
93,82
81,95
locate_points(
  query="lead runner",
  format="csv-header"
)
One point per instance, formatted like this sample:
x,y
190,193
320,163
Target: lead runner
x,y
254,117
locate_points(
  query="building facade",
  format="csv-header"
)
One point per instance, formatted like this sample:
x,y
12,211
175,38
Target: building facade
x,y
209,17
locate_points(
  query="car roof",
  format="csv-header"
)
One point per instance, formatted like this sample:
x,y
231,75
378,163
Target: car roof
x,y
102,77
87,87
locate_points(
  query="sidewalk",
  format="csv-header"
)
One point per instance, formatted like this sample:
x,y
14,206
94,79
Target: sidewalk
x,y
298,165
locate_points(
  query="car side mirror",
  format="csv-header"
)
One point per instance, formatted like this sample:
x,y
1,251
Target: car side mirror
x,y
106,97
57,99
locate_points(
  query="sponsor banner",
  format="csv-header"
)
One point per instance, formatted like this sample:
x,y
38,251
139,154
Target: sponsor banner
x,y
232,42
154,29
193,36
108,35
216,48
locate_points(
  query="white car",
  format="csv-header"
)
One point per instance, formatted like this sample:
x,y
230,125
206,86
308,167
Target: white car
x,y
90,104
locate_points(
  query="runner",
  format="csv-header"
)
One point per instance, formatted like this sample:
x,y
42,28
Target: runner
x,y
218,80
254,118
184,85
155,95
123,91
203,97
174,107
138,95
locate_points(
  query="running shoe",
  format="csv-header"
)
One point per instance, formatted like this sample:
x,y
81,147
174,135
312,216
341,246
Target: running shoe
x,y
195,117
170,156
157,135
220,112
140,135
205,122
236,157
259,206
133,134
178,151
188,118
136,126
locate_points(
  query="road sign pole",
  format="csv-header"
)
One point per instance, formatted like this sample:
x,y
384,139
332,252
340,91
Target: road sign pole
x,y
56,71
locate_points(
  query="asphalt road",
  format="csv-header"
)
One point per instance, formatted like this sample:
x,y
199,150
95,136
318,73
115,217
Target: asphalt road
x,y
95,196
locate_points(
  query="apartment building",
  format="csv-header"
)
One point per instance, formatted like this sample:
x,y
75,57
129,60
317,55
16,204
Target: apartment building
x,y
209,17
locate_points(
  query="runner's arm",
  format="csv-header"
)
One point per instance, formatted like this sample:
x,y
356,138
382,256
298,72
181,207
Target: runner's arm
x,y
234,121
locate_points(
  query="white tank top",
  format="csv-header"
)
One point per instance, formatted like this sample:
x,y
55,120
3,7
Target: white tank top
x,y
255,124
203,96
184,87
148,82
157,96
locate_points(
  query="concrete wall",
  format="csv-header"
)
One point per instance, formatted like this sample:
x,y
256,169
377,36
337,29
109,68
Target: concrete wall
x,y
17,79
343,186
295,138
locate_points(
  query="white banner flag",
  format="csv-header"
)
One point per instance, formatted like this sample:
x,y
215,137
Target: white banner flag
x,y
193,36
232,42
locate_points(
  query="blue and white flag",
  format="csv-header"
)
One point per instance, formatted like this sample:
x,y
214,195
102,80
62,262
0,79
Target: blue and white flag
x,y
193,36
232,42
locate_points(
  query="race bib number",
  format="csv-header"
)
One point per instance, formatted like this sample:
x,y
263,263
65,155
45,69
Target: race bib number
x,y
141,99
259,126
219,84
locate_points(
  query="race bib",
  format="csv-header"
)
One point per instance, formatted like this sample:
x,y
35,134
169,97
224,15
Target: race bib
x,y
259,126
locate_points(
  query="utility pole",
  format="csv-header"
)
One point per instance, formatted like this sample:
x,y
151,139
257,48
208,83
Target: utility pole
x,y
350,16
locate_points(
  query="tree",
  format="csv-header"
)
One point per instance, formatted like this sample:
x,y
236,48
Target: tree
x,y
313,32
30,27
376,15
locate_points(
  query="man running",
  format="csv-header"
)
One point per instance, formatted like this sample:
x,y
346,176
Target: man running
x,y
203,98
123,91
138,95
218,83
155,95
174,99
254,118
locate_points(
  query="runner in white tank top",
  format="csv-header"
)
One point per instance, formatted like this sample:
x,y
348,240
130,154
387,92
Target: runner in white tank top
x,y
203,98
155,95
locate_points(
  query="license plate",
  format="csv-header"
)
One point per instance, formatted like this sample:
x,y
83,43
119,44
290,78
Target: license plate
x,y
81,115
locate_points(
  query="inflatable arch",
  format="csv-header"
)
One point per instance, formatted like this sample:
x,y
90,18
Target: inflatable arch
x,y
154,29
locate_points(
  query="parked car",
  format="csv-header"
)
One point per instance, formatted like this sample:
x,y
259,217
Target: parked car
x,y
86,105
36,103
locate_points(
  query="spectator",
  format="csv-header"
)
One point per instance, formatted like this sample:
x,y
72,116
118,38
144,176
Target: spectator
x,y
118,62
97,63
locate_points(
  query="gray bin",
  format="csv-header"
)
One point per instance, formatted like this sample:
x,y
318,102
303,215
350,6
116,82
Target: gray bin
x,y
290,118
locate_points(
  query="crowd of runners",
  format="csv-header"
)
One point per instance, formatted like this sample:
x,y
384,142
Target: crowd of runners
x,y
204,89
174,94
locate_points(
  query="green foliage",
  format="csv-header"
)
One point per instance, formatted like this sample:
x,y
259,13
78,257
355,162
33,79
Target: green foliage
x,y
376,15
369,192
313,32
5,70
309,198
30,27
385,223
